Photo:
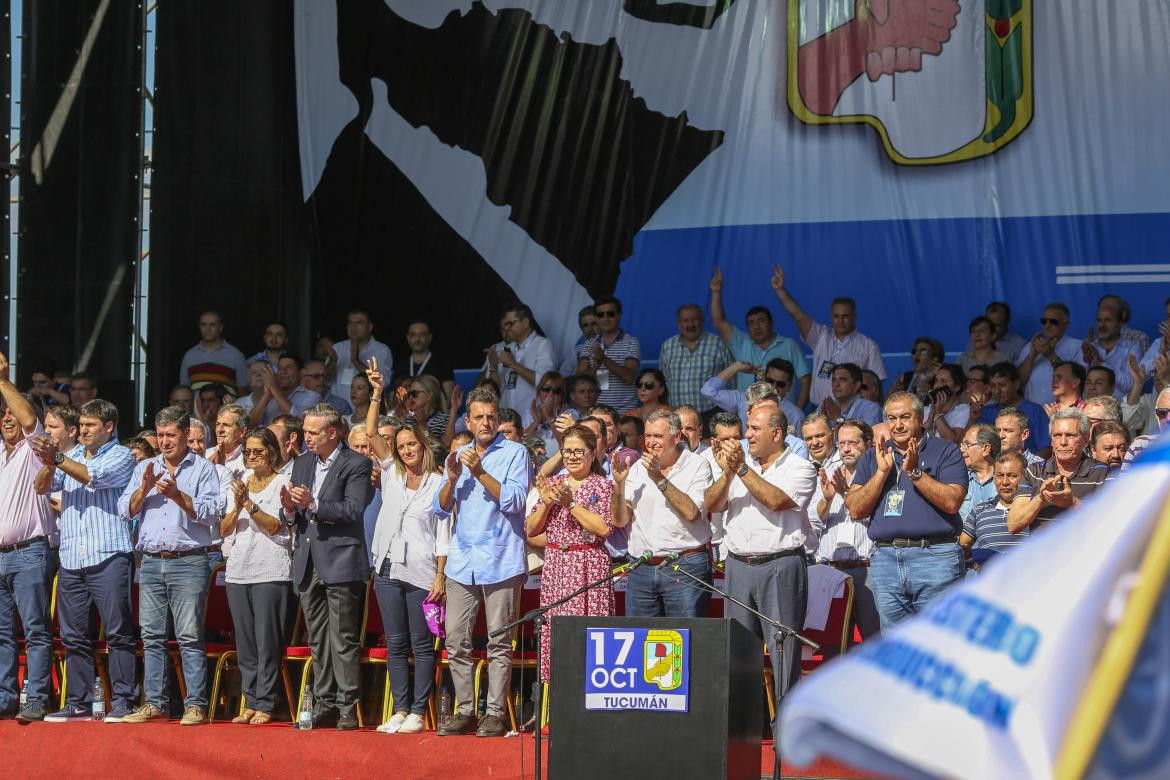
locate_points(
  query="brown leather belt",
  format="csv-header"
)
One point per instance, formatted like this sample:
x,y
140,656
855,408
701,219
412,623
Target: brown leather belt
x,y
658,560
21,545
860,563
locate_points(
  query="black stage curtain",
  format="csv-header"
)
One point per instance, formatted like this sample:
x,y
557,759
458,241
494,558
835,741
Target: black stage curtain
x,y
225,204
79,188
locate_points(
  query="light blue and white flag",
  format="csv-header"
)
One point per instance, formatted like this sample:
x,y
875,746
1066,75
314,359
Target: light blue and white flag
x,y
1055,662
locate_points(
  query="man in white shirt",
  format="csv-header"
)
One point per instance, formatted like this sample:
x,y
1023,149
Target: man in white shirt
x,y
353,354
661,497
522,360
844,542
764,498
831,346
1048,348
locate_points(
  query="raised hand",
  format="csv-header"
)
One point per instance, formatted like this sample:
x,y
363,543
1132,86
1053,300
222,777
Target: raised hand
x,y
885,458
840,484
650,461
456,399
830,408
716,280
3,367
620,469
562,493
44,447
1162,368
777,278
732,454
149,478
377,382
563,423
744,367
301,496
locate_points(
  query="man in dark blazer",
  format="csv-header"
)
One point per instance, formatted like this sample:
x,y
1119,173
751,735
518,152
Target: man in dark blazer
x,y
324,503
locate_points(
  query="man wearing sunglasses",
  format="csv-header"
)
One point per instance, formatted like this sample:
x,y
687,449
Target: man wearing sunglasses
x,y
611,357
1048,348
1141,443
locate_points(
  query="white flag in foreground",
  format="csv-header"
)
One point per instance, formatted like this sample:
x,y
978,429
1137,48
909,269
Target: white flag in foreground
x,y
1018,672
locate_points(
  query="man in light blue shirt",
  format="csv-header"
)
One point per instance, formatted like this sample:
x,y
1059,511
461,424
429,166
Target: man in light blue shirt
x,y
740,403
760,344
980,447
97,559
173,499
485,483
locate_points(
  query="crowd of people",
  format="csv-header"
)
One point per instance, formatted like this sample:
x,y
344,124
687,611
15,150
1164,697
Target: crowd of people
x,y
305,478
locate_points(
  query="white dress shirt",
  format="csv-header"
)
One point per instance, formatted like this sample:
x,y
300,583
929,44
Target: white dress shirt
x,y
536,354
752,529
408,514
345,368
656,527
841,537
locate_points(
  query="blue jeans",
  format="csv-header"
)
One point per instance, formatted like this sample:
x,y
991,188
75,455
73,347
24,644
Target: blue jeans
x,y
905,581
26,584
653,591
179,586
402,617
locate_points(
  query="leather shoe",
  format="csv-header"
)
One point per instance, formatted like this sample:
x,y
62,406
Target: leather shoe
x,y
326,719
459,724
491,726
347,720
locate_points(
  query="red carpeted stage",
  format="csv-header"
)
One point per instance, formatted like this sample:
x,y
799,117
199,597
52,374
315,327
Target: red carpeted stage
x,y
98,750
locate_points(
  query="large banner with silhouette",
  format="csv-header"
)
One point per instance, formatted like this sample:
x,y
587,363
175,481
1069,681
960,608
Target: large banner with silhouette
x,y
922,156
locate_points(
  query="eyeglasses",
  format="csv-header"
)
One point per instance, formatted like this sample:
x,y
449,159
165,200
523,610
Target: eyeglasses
x,y
256,453
508,323
648,385
573,454
553,390
316,376
864,386
779,384
964,445
415,393
1049,321
1162,414
606,314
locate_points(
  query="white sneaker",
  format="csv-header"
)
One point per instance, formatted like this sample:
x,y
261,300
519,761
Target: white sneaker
x,y
412,725
394,724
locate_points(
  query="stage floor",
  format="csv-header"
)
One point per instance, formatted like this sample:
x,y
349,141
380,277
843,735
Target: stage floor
x,y
222,750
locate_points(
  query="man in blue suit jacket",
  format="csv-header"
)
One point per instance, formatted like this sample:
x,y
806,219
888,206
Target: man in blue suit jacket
x,y
329,490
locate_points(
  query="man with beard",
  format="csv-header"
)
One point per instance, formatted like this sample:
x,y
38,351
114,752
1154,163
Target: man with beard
x,y
1109,442
913,487
1063,481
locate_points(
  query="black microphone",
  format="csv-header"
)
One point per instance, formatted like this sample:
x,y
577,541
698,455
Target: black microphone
x,y
668,559
641,559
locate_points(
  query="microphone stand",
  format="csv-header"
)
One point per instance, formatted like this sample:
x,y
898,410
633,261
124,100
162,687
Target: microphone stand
x,y
782,632
536,616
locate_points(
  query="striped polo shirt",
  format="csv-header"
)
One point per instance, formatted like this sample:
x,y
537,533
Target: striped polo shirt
x,y
987,525
1089,476
618,394
91,528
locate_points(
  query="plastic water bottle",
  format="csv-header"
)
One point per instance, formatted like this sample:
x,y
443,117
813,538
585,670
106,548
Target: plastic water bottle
x,y
99,699
24,693
444,707
305,718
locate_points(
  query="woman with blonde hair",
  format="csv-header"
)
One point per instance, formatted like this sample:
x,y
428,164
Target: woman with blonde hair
x,y
426,406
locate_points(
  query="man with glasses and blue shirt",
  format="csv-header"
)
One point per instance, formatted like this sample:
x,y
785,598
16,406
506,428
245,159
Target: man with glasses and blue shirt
x,y
912,489
97,559
173,501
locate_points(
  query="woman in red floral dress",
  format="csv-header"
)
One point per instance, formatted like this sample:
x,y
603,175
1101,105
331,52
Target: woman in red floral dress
x,y
573,511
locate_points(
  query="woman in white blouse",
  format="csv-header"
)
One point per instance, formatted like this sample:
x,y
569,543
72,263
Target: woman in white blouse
x,y
258,549
409,552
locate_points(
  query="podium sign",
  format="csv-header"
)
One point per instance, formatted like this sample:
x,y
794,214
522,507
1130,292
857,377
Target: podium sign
x,y
655,697
637,669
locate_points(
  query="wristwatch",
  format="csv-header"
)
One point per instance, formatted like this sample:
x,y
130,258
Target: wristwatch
x,y
572,503
59,458
742,470
663,484
915,474
251,507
